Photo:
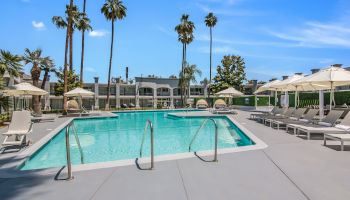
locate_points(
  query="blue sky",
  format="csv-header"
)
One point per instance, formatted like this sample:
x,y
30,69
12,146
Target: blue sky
x,y
275,37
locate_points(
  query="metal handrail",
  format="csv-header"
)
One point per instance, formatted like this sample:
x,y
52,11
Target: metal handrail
x,y
69,163
148,123
78,143
216,137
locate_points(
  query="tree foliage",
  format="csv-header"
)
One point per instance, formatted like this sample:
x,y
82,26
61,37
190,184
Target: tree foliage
x,y
231,73
190,73
73,82
10,63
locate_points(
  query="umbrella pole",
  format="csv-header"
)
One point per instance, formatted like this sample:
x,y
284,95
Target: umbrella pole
x,y
275,98
331,97
295,99
256,102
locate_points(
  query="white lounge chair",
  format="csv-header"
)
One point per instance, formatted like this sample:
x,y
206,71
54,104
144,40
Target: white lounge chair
x,y
20,127
339,137
324,126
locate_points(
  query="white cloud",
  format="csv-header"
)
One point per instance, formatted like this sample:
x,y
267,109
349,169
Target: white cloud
x,y
220,49
226,41
90,69
38,25
167,31
228,2
98,33
316,35
228,11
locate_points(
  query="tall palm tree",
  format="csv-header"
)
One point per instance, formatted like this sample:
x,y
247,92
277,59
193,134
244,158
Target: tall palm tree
x,y
60,22
35,58
112,10
185,35
210,21
47,67
83,25
10,63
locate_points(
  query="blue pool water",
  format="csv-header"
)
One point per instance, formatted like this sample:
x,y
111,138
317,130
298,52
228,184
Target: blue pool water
x,y
110,139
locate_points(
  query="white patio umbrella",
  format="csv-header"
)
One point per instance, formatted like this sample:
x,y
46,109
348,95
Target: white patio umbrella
x,y
229,92
328,78
22,89
286,86
268,87
79,92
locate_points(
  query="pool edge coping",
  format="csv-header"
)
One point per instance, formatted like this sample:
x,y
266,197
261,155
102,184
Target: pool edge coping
x,y
10,170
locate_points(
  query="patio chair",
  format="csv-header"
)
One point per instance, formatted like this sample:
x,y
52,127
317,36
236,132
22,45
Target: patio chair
x,y
298,114
224,110
286,114
339,133
259,114
278,112
306,119
328,121
20,127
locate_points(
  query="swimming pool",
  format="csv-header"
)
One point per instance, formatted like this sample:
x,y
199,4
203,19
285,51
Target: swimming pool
x,y
119,138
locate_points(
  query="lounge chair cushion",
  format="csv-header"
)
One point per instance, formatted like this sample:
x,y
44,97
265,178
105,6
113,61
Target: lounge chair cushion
x,y
324,124
343,127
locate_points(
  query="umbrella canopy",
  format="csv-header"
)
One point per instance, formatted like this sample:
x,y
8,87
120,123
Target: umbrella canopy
x,y
202,102
24,89
229,92
267,87
79,92
220,102
326,79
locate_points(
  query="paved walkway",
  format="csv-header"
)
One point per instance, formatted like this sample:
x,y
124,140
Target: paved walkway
x,y
290,168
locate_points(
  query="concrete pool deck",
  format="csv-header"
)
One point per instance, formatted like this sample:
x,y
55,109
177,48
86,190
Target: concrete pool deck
x,y
289,168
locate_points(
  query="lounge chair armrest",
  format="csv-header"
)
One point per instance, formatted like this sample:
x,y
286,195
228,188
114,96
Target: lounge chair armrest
x,y
31,127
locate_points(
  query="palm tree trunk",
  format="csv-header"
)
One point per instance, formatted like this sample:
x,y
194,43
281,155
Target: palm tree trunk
x,y
110,67
82,49
185,62
211,45
35,72
182,75
71,48
65,70
46,75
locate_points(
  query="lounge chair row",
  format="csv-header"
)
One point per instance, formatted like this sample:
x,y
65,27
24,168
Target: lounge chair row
x,y
304,121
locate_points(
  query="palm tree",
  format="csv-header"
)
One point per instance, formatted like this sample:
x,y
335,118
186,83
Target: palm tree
x,y
47,66
112,10
10,63
190,73
210,21
185,35
34,57
83,25
62,23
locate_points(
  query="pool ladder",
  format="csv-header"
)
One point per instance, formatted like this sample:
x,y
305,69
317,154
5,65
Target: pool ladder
x,y
216,137
150,125
69,163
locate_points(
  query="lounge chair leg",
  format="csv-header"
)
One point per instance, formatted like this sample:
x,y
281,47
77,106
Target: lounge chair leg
x,y
308,135
324,141
342,145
